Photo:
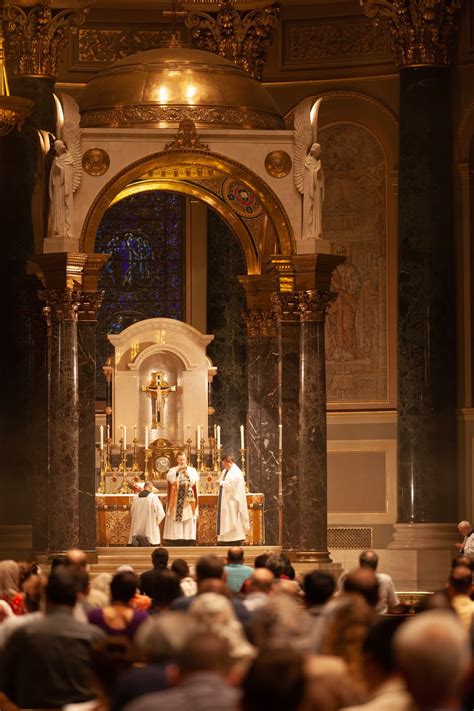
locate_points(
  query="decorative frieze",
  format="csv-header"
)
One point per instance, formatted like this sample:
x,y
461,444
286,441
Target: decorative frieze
x,y
101,46
260,323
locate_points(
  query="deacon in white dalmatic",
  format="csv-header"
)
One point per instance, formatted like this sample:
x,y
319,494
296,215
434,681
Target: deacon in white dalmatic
x,y
146,513
232,513
182,510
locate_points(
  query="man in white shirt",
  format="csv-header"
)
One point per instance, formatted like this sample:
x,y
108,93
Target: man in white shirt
x,y
232,512
146,514
388,599
182,510
467,546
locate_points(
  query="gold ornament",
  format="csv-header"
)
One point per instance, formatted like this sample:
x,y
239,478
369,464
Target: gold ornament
x,y
278,164
96,161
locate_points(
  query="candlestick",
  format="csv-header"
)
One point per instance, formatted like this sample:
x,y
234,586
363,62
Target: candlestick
x,y
242,438
189,431
125,436
146,437
198,437
280,436
101,438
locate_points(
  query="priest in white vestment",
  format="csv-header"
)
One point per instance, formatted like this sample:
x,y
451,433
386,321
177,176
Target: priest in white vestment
x,y
146,514
232,513
182,510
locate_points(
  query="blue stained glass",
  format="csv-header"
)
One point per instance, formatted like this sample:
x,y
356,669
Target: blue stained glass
x,y
144,277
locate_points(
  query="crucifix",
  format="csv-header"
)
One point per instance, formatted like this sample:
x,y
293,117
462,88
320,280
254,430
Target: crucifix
x,y
157,389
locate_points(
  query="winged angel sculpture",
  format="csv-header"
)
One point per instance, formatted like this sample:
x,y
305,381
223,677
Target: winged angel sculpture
x,y
66,168
308,170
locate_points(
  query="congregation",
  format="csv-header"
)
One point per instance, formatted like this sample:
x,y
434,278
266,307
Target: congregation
x,y
231,635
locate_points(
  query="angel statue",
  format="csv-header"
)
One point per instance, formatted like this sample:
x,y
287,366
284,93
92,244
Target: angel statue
x,y
308,169
66,169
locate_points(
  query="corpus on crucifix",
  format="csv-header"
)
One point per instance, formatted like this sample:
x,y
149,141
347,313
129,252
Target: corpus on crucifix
x,y
157,389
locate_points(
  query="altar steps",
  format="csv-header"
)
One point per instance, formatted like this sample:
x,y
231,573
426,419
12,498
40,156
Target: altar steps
x,y
109,558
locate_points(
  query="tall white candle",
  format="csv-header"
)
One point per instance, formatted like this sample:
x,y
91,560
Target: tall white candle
x,y
125,436
280,436
198,436
189,432
108,431
101,437
242,439
146,437
134,431
218,432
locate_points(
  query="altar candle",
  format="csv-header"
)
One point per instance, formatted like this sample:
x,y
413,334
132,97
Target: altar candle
x,y
242,440
198,436
218,432
280,436
146,437
125,436
101,437
108,431
134,431
189,432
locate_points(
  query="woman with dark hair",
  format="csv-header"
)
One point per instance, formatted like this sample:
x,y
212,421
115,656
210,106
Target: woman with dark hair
x,y
119,618
165,588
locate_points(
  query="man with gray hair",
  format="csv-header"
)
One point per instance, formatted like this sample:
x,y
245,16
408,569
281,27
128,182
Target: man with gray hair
x,y
467,546
433,654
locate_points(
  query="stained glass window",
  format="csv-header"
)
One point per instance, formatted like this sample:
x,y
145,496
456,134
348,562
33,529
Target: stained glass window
x,y
145,276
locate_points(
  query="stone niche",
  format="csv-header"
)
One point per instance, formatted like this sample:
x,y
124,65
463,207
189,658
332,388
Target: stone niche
x,y
176,350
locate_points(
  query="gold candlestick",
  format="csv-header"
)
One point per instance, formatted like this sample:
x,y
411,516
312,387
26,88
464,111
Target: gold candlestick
x,y
123,467
148,475
188,449
280,497
242,462
108,444
135,466
101,489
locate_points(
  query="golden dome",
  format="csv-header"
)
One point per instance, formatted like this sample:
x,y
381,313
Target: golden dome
x,y
160,87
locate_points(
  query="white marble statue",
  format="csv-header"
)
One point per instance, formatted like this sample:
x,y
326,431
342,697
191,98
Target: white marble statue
x,y
308,170
66,169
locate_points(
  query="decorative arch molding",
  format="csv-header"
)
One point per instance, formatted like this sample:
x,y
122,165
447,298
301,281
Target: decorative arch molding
x,y
155,349
127,180
362,109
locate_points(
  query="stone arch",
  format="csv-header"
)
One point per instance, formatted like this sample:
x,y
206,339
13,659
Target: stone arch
x,y
164,166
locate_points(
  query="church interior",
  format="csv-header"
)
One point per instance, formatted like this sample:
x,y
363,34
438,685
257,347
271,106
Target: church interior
x,y
180,272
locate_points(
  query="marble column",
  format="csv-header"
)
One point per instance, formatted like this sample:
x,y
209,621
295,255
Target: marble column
x,y
262,414
287,308
312,428
60,310
427,472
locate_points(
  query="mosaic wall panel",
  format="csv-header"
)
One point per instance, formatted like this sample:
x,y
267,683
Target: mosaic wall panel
x,y
354,221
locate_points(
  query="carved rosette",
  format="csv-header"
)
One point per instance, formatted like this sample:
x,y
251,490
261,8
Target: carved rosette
x,y
315,304
60,305
260,323
186,137
243,39
33,39
422,31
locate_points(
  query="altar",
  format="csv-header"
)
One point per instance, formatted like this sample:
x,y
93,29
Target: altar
x,y
113,519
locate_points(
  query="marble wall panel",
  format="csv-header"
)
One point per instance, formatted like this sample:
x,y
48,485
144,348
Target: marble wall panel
x,y
86,351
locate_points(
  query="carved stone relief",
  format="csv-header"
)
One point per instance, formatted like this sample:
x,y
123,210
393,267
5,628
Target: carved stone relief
x,y
354,221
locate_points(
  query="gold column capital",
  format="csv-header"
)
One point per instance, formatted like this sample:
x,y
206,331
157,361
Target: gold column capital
x,y
68,270
422,31
260,323
33,37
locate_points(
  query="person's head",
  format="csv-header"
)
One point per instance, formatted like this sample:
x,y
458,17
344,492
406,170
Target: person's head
x,y
61,588
227,461
318,587
123,587
76,557
377,649
159,557
260,581
9,578
463,560
275,680
204,652
235,554
276,564
181,458
433,654
165,588
82,579
288,570
209,566
26,571
34,589
110,658
214,614
464,528
148,486
283,624
363,581
460,581
261,560
329,686
58,560
181,568
369,559
161,637
215,585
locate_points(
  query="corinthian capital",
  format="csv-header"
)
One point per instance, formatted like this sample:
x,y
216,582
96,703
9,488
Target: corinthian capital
x,y
422,31
34,37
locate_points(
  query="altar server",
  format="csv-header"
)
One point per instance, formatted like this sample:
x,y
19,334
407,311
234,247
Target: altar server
x,y
232,513
146,514
182,510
